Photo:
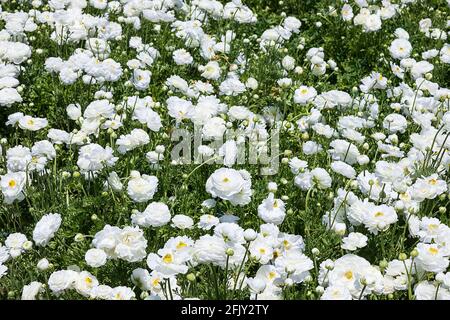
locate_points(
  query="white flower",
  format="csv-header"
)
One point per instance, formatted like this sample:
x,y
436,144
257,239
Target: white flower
x,y
182,222
156,214
210,249
211,71
15,242
229,152
84,283
141,79
32,290
95,257
141,188
288,63
207,222
93,157
46,228
395,123
231,185
62,280
113,181
354,241
182,57
336,292
121,293
272,210
141,278
304,94
131,244
9,96
344,169
400,48
232,87
3,270
378,218
136,138
43,264
294,264
32,124
12,185
321,178
431,258
428,188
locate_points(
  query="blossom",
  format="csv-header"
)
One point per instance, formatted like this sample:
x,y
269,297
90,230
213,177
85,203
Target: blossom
x,y
46,228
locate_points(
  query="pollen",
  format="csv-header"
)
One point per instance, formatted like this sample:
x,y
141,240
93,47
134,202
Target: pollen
x,y
180,245
155,282
379,214
12,183
168,258
433,250
348,275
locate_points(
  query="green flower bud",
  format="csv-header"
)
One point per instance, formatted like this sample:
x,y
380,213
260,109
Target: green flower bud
x,y
191,277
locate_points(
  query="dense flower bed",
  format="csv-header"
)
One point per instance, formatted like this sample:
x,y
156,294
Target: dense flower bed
x,y
204,149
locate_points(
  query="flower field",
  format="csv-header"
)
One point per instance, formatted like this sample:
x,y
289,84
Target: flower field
x,y
205,149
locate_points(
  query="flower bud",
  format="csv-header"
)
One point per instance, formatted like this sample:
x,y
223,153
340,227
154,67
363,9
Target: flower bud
x,y
229,252
43,264
27,245
250,235
79,237
402,256
191,277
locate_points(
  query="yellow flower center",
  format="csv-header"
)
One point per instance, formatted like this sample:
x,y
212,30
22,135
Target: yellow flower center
x,y
433,250
349,275
180,245
379,214
168,258
12,183
155,282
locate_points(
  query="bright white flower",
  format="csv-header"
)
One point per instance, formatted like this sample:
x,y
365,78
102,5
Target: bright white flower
x,y
46,228
95,257
354,241
231,185
156,214
12,185
272,210
141,188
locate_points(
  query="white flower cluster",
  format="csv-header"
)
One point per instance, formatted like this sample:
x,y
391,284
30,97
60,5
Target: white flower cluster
x,y
95,93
